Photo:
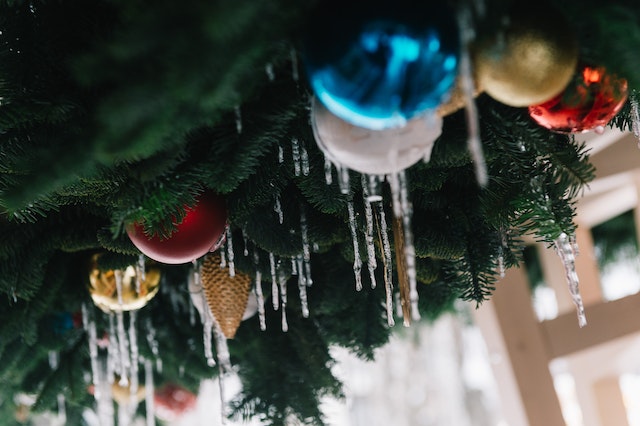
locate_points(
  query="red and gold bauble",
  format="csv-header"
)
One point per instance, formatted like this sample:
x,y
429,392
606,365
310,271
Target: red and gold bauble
x,y
202,230
590,101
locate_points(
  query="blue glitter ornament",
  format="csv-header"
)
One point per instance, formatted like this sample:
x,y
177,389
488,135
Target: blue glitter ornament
x,y
378,67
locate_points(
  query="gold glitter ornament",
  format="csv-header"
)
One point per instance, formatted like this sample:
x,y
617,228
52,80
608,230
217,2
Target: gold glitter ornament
x,y
123,396
530,59
104,292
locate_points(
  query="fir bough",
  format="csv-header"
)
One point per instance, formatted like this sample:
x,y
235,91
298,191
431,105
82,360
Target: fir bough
x,y
118,111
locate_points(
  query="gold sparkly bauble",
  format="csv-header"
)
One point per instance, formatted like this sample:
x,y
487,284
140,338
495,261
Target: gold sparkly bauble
x,y
530,60
122,394
227,296
102,286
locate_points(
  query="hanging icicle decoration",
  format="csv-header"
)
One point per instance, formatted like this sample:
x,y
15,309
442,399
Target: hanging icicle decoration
x,y
222,348
302,288
53,359
149,393
90,327
113,354
274,282
141,274
103,395
565,251
152,341
474,143
280,154
123,349
282,281
230,253
304,159
245,251
135,355
277,207
357,262
123,344
295,152
635,115
328,166
205,316
343,179
373,190
258,291
383,237
223,254
501,268
372,263
62,410
306,246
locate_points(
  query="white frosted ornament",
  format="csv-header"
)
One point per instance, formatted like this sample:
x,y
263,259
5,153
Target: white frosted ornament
x,y
375,152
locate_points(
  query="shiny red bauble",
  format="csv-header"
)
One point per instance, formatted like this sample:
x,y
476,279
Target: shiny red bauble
x,y
589,102
202,230
172,401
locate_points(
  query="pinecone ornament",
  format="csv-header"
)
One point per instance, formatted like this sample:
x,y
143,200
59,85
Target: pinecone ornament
x,y
227,296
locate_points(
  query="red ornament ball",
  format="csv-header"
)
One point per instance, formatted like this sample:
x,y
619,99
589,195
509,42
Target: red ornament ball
x,y
202,230
589,102
173,401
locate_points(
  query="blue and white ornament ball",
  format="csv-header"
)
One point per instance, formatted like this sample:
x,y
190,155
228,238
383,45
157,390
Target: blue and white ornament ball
x,y
378,64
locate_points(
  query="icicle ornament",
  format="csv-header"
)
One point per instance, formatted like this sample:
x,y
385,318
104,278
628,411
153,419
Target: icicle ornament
x,y
149,393
205,315
274,282
304,160
141,273
372,263
306,247
383,236
295,152
282,281
134,354
302,288
635,115
280,154
357,263
90,326
474,143
277,207
328,166
565,251
230,254
259,294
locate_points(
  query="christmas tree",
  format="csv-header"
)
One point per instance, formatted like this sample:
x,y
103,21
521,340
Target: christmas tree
x,y
120,115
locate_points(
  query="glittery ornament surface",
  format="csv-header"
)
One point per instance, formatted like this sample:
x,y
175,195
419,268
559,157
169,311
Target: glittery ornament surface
x,y
590,101
529,60
379,66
